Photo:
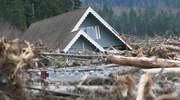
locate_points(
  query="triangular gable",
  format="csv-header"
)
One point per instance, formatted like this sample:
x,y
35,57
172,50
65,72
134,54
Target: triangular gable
x,y
90,10
81,32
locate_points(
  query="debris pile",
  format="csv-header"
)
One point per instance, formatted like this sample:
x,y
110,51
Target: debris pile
x,y
15,56
151,53
151,71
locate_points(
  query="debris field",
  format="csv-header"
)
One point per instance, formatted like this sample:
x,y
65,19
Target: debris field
x,y
35,72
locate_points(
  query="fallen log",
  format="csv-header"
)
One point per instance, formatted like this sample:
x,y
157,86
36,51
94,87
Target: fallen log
x,y
73,55
68,90
88,68
144,88
172,42
81,68
143,62
145,85
166,70
124,70
173,48
55,92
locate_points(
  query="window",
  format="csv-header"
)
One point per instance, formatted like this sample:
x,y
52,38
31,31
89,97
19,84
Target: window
x,y
92,31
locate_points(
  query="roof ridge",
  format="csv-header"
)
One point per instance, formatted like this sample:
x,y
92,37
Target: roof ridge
x,y
73,11
62,14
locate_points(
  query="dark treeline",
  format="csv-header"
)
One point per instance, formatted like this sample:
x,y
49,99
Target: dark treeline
x,y
22,13
146,21
140,17
157,18
132,3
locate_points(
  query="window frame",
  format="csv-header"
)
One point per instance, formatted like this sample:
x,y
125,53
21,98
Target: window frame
x,y
97,31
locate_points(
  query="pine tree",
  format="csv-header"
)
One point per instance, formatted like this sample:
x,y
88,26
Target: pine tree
x,y
76,4
132,21
22,13
124,22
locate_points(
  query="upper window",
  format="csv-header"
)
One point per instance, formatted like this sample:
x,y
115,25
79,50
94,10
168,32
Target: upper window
x,y
92,31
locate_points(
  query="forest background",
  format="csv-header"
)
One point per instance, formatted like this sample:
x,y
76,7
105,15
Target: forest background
x,y
132,17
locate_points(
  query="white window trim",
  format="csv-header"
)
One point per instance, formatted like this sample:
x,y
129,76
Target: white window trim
x,y
98,34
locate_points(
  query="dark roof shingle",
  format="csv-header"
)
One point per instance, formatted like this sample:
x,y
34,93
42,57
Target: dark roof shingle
x,y
54,30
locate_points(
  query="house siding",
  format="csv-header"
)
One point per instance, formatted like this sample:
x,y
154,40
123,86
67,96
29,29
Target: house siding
x,y
107,38
78,45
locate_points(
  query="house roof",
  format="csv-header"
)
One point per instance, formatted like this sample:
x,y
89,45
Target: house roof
x,y
54,30
58,31
75,35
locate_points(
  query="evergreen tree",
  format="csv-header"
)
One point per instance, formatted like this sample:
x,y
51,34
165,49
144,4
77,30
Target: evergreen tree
x,y
123,22
148,17
140,23
76,4
22,13
29,12
49,8
132,21
3,5
18,16
13,11
176,28
108,15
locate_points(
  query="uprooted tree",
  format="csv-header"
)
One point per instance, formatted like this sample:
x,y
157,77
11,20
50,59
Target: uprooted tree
x,y
15,56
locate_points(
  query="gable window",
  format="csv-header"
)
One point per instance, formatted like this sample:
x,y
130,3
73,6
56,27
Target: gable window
x,y
92,31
